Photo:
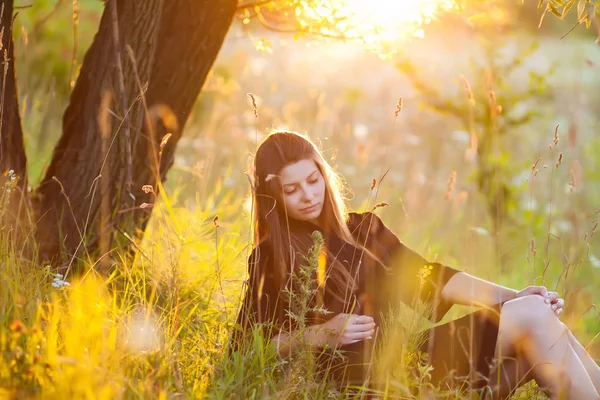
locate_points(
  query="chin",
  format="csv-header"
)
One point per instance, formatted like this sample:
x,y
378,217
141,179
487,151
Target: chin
x,y
311,216
314,215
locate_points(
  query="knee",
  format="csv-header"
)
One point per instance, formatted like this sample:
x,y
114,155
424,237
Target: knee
x,y
529,312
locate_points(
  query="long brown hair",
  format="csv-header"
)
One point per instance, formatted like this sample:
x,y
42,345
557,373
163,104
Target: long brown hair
x,y
270,220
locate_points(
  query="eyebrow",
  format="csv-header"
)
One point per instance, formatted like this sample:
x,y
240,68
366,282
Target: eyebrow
x,y
308,177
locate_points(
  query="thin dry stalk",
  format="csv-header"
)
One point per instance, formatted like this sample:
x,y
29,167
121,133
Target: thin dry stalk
x,y
467,89
451,182
75,43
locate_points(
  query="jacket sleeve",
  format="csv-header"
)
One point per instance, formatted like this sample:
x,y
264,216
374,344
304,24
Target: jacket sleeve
x,y
402,273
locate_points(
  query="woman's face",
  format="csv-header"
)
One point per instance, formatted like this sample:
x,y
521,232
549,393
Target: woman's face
x,y
303,188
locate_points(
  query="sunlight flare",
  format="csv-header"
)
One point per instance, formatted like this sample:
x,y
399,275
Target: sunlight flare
x,y
380,24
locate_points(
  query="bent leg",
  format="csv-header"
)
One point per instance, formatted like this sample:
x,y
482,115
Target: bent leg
x,y
590,365
530,329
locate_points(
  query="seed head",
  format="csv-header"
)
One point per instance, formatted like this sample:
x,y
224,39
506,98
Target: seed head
x,y
147,189
254,108
165,140
380,205
468,91
398,107
451,182
534,169
560,158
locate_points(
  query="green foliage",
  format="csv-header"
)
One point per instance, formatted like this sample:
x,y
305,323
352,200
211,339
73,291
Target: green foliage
x,y
159,326
587,10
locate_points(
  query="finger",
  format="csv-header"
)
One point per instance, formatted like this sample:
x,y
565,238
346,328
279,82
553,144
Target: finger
x,y
552,297
360,327
354,341
347,319
541,290
358,335
558,305
363,319
558,312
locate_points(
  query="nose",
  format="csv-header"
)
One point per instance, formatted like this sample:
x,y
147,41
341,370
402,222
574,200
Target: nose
x,y
307,195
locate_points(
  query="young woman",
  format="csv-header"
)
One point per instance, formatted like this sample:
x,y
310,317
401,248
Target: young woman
x,y
515,337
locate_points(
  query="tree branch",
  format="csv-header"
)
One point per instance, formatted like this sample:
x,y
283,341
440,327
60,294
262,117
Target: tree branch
x,y
253,4
277,29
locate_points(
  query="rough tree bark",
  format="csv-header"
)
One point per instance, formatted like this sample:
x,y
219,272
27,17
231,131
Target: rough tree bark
x,y
175,43
12,152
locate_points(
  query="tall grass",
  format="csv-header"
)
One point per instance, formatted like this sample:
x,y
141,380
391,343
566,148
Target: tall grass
x,y
159,325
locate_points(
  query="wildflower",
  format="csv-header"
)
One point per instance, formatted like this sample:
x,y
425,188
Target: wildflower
x,y
424,272
17,327
58,281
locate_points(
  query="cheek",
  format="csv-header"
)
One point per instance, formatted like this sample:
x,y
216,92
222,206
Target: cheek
x,y
322,189
290,201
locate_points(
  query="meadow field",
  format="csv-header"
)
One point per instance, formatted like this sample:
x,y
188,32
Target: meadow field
x,y
158,326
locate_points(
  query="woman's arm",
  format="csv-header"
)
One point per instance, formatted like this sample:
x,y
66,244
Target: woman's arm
x,y
469,290
338,331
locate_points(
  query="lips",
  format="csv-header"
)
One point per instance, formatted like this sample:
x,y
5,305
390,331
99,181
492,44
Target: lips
x,y
310,209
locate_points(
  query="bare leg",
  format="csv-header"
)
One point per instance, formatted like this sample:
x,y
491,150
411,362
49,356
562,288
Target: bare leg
x,y
590,365
531,329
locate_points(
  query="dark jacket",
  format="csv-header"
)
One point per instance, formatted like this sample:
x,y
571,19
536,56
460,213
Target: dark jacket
x,y
388,273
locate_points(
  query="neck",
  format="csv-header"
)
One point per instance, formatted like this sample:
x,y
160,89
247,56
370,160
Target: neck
x,y
315,221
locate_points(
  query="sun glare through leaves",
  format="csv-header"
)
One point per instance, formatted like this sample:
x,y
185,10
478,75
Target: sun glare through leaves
x,y
378,24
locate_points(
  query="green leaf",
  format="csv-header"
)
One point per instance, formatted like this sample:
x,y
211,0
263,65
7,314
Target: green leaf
x,y
554,10
580,9
567,8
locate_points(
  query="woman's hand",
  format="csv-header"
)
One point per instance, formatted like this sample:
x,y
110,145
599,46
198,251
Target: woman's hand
x,y
551,298
341,330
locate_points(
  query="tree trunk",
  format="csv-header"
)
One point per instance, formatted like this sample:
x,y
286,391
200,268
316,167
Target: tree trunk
x,y
13,162
84,201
